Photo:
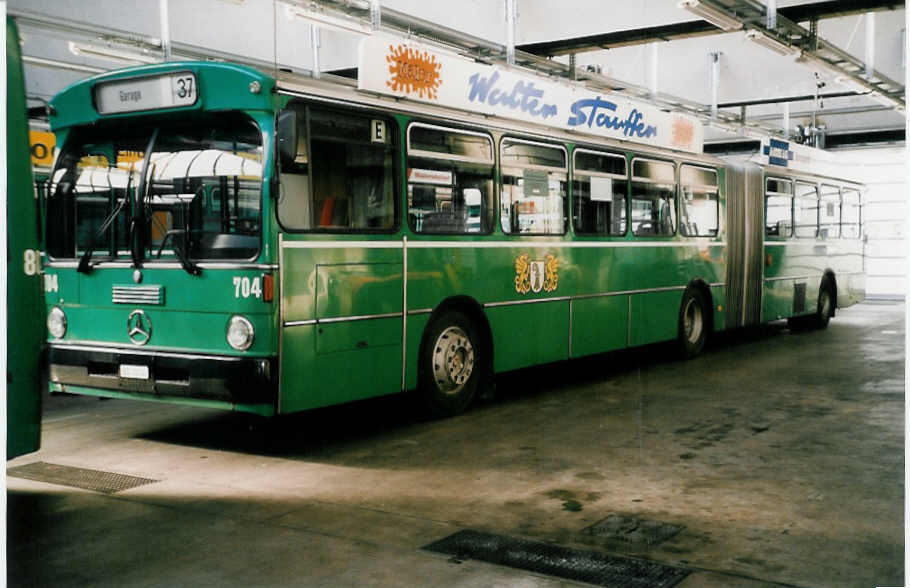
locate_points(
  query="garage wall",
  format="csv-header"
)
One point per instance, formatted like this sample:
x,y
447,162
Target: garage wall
x,y
884,173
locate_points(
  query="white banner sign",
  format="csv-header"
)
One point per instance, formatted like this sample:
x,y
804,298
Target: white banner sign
x,y
403,69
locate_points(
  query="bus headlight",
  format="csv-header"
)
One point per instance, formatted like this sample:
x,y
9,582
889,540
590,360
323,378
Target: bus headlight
x,y
56,322
240,333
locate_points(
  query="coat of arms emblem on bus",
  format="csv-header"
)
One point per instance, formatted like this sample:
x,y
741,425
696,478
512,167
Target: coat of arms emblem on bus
x,y
536,275
413,71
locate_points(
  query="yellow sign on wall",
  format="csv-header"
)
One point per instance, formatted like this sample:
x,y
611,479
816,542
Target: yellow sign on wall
x,y
41,144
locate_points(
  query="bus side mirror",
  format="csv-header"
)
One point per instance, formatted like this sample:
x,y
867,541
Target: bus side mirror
x,y
287,137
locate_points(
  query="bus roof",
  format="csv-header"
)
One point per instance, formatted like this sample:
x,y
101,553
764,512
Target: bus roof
x,y
163,88
227,86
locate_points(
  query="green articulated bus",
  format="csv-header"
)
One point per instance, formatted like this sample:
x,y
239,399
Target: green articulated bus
x,y
24,303
219,237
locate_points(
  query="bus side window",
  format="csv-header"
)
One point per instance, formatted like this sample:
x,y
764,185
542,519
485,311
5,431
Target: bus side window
x,y
778,208
698,208
851,217
653,198
829,212
353,170
534,179
599,189
450,180
346,176
806,210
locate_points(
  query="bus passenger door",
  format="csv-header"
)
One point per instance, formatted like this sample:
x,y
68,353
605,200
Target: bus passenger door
x,y
341,259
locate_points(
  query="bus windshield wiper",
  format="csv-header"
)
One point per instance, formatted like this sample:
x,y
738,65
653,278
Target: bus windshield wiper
x,y
85,265
181,250
138,223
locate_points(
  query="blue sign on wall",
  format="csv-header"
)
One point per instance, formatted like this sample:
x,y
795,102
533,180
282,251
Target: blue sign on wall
x,y
778,152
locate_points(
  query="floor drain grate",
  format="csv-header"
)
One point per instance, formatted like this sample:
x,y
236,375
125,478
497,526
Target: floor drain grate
x,y
634,530
106,482
562,562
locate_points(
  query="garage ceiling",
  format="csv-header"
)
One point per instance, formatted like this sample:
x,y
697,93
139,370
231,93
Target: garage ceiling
x,y
810,63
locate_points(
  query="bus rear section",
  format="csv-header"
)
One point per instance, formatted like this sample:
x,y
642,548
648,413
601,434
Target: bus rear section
x,y
795,248
159,282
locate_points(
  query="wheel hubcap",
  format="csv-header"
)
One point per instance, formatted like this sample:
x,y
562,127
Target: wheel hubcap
x,y
453,360
693,322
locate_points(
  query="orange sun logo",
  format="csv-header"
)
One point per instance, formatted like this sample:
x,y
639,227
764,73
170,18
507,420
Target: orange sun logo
x,y
413,71
683,132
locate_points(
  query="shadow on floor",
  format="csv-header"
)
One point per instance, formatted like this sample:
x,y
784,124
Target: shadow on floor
x,y
338,426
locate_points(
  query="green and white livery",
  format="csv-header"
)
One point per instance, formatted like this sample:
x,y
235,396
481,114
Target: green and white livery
x,y
219,237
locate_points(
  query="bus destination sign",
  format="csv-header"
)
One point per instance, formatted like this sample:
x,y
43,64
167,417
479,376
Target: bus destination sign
x,y
146,93
408,70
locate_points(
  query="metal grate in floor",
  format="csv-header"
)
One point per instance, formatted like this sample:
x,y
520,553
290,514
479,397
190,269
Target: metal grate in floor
x,y
106,482
632,529
562,562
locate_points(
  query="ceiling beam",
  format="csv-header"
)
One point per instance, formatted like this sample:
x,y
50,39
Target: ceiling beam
x,y
837,8
875,137
697,28
671,32
868,137
783,99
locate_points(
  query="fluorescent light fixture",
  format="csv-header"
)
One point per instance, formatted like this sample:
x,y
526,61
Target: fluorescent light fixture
x,y
111,53
64,65
327,21
888,101
713,15
851,84
768,42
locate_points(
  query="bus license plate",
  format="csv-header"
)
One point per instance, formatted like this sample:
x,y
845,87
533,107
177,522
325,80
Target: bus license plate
x,y
134,372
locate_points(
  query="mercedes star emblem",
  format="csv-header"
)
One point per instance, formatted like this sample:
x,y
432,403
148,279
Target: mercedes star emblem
x,y
139,327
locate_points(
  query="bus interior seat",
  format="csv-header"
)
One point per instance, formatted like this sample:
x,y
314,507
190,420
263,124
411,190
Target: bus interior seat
x,y
328,212
445,222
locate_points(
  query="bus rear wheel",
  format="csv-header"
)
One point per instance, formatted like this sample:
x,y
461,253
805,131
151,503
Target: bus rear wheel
x,y
693,323
825,308
451,364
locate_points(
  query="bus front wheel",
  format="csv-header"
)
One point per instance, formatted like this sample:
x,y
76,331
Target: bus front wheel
x,y
451,364
693,323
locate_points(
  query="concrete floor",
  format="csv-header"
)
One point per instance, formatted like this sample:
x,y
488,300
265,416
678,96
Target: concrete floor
x,y
780,453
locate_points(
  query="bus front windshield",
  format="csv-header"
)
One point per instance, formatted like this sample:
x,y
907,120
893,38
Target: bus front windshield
x,y
184,190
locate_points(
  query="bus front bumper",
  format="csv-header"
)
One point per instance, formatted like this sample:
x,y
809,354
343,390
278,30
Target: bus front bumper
x,y
224,379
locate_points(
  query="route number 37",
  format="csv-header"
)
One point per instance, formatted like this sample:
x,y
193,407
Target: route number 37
x,y
185,88
246,287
